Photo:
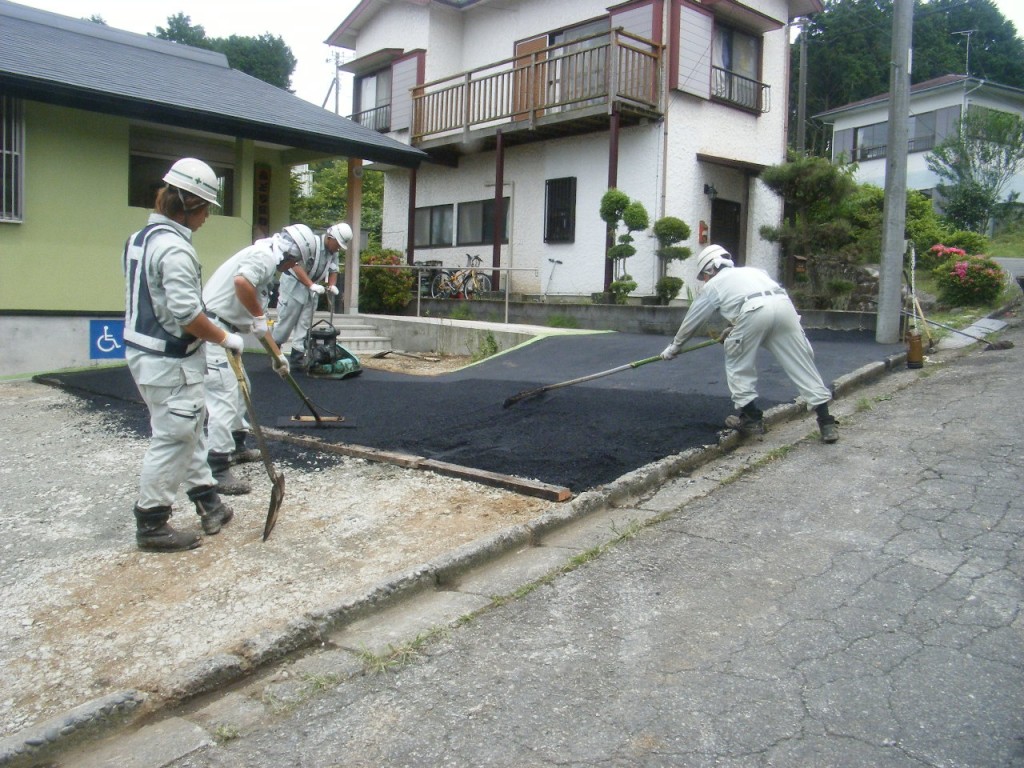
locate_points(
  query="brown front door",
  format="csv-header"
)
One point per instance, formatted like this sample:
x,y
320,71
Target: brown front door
x,y
530,77
725,227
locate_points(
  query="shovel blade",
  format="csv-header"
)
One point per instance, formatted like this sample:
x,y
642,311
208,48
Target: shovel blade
x,y
276,497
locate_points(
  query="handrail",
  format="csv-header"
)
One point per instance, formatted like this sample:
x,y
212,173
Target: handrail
x,y
737,89
607,67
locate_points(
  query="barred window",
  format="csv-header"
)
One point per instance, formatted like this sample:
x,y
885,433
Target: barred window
x,y
12,149
560,210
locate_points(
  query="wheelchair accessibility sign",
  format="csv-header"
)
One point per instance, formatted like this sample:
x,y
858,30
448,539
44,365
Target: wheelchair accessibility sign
x,y
106,339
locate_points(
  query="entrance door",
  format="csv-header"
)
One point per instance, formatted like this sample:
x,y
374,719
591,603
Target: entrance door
x,y
725,227
530,77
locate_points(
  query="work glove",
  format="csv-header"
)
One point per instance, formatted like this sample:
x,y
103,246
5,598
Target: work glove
x,y
724,334
317,290
280,365
259,325
333,289
670,351
233,343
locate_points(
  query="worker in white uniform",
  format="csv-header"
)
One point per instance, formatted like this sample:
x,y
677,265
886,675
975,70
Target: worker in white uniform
x,y
301,290
165,330
760,314
236,297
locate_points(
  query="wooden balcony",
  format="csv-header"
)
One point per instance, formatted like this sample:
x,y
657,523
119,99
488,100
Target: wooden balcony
x,y
561,90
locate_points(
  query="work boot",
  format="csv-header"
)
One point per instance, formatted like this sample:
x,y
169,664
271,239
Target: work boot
x,y
213,513
227,483
241,454
297,359
154,534
829,430
749,421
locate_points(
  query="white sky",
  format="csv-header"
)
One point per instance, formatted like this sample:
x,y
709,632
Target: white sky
x,y
303,24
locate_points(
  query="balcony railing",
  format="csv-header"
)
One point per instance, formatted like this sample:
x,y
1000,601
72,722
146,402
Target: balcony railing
x,y
740,90
879,151
376,119
551,83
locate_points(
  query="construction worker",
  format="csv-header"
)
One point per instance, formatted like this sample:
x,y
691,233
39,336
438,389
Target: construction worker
x,y
760,313
236,297
165,330
300,291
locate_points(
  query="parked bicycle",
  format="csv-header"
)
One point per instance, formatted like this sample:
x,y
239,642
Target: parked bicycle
x,y
465,282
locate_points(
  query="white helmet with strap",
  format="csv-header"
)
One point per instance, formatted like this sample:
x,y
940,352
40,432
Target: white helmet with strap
x,y
341,232
713,257
195,177
301,243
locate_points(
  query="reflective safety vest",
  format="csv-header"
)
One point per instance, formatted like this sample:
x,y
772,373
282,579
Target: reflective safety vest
x,y
142,327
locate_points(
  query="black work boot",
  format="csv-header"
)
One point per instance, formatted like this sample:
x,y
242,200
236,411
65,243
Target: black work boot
x,y
827,424
241,454
227,483
297,359
749,421
213,513
154,534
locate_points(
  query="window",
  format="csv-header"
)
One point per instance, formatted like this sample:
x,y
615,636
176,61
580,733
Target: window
x,y
374,103
735,67
560,210
434,226
922,132
12,140
871,141
151,153
476,222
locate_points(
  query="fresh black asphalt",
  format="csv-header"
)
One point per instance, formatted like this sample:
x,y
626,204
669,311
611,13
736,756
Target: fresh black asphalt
x,y
580,436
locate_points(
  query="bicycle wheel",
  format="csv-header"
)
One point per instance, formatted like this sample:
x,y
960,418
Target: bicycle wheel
x,y
441,286
477,284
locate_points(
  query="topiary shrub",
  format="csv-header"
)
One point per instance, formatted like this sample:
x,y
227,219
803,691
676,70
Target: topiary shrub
x,y
384,291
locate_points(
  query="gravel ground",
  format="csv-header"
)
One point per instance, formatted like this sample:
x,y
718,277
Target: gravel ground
x,y
83,613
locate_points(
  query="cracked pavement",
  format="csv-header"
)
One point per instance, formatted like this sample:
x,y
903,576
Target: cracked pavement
x,y
792,604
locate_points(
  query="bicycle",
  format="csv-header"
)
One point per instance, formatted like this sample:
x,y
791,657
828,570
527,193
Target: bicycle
x,y
466,281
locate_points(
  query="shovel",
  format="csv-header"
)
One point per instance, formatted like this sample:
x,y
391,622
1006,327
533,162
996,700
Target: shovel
x,y
318,418
276,478
628,366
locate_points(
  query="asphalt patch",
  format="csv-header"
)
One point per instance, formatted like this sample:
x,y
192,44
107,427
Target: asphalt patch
x,y
579,437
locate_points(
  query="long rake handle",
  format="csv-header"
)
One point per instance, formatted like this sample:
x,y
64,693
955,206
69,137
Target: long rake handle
x,y
275,350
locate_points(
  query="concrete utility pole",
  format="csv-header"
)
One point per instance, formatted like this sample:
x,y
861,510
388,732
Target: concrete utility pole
x,y
801,92
894,212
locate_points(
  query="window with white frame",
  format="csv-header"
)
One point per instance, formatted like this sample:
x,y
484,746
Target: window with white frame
x,y
373,107
476,222
12,148
434,226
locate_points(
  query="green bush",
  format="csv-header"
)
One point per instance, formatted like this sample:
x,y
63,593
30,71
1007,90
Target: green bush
x,y
384,291
969,281
622,287
667,288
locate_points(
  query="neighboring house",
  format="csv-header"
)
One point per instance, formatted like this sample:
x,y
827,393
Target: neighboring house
x,y
90,120
532,109
860,131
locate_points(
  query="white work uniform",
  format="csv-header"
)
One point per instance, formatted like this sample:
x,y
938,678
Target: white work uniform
x,y
163,293
224,401
761,314
296,303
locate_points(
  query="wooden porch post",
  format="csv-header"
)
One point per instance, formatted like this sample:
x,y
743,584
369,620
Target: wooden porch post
x,y
355,215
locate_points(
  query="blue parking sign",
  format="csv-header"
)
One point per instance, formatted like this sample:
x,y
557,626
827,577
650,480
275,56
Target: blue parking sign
x,y
106,339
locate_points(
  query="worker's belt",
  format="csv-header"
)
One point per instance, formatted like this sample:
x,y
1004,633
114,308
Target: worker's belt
x,y
224,323
773,292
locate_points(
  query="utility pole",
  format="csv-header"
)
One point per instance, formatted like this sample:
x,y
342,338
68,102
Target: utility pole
x,y
894,212
801,92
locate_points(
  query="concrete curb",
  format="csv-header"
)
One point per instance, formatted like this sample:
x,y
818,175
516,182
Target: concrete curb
x,y
103,715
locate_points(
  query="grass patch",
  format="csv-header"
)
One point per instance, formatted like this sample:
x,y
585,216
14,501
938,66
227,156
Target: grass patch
x,y
562,321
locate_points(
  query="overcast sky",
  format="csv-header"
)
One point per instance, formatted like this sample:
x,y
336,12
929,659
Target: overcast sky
x,y
303,24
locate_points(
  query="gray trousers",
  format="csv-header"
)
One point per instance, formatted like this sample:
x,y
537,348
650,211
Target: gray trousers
x,y
775,325
295,306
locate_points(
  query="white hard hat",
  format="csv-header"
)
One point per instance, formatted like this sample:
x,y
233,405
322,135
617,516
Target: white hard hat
x,y
195,177
303,242
713,257
341,232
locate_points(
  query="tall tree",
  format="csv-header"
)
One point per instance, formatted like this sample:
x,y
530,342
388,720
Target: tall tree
x,y
848,52
265,57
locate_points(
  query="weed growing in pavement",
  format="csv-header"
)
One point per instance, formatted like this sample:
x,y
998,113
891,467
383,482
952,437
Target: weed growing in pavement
x,y
488,346
321,682
374,663
864,404
225,733
460,312
562,321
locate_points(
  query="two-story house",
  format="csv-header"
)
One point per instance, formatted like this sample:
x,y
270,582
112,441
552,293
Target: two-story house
x,y
860,130
532,110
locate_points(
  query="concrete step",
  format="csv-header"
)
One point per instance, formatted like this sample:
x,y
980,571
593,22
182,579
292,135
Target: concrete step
x,y
362,344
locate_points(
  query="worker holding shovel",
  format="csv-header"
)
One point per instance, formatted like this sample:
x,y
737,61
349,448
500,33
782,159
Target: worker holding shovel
x,y
165,329
301,289
760,314
236,297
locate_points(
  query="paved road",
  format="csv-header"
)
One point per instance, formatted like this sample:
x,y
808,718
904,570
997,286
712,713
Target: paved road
x,y
795,604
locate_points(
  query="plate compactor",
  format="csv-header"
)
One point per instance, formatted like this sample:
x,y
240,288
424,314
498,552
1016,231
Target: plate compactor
x,y
325,357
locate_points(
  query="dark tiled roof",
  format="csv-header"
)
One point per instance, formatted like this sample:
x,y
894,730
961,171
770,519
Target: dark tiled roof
x,y
56,59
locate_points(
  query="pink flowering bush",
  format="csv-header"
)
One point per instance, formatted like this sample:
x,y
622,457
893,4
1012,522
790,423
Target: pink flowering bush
x,y
965,280
939,254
